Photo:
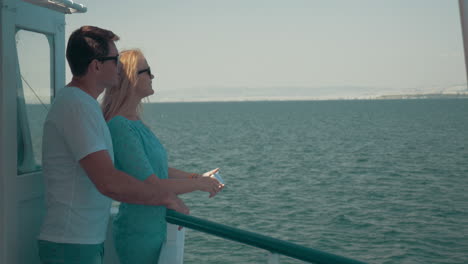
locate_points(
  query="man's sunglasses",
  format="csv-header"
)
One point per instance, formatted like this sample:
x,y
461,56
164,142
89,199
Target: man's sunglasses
x,y
114,58
146,70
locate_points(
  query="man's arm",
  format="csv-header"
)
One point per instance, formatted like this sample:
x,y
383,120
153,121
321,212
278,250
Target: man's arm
x,y
124,188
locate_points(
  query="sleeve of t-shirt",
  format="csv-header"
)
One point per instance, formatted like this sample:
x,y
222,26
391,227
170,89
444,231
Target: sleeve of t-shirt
x,y
82,131
129,153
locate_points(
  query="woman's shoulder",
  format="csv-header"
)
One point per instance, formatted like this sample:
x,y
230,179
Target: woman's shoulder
x,y
117,120
118,123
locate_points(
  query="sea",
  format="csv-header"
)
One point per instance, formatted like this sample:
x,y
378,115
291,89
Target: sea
x,y
380,181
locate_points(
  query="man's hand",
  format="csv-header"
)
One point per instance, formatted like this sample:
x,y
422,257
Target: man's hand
x,y
176,204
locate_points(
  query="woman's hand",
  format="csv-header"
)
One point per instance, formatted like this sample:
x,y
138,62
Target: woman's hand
x,y
210,184
210,173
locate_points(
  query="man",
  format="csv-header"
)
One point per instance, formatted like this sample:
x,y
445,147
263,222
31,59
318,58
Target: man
x,y
78,158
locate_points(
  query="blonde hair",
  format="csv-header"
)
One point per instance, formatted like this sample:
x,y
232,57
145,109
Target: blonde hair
x,y
116,98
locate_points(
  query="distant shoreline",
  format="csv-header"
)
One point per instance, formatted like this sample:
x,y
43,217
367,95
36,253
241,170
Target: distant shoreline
x,y
383,97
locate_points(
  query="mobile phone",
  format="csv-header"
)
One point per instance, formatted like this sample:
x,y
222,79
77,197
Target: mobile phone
x,y
218,177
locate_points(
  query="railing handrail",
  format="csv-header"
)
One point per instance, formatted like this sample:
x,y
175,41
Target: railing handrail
x,y
257,240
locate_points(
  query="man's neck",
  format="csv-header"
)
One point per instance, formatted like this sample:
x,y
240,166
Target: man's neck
x,y
86,86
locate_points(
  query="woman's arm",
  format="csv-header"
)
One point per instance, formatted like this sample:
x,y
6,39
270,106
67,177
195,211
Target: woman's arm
x,y
189,182
174,173
178,174
130,155
186,185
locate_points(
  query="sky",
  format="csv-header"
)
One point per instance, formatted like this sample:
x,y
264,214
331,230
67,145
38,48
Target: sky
x,y
287,49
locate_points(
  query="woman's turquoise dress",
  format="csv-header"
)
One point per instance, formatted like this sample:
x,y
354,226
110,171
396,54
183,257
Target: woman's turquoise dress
x,y
138,230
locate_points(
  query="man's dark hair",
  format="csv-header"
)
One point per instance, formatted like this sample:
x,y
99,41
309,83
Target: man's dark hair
x,y
85,44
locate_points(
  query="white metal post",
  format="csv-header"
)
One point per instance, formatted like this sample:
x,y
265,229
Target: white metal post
x,y
273,258
463,5
8,82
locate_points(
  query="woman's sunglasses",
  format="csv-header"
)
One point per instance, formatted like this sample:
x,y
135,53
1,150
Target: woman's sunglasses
x,y
146,70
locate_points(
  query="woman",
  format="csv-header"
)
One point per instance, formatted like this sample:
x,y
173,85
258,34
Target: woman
x,y
139,230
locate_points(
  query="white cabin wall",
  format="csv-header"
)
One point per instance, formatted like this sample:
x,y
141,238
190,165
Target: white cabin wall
x,y
22,196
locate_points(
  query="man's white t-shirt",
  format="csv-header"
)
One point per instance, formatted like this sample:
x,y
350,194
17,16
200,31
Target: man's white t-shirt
x,y
76,211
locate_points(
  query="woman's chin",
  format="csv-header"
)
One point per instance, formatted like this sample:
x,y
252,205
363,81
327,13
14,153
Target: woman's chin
x,y
149,93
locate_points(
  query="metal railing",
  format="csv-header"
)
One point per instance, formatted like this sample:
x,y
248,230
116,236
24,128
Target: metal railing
x,y
257,240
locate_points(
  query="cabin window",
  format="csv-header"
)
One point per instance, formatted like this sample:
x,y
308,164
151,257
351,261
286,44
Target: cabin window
x,y
33,96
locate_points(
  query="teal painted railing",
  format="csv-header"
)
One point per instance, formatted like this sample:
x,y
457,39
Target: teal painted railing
x,y
257,240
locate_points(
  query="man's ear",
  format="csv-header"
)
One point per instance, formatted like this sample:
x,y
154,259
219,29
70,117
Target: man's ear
x,y
94,66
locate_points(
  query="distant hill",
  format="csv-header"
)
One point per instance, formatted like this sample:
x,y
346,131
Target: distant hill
x,y
454,91
424,96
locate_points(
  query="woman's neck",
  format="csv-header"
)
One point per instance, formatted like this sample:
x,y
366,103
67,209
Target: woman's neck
x,y
130,110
